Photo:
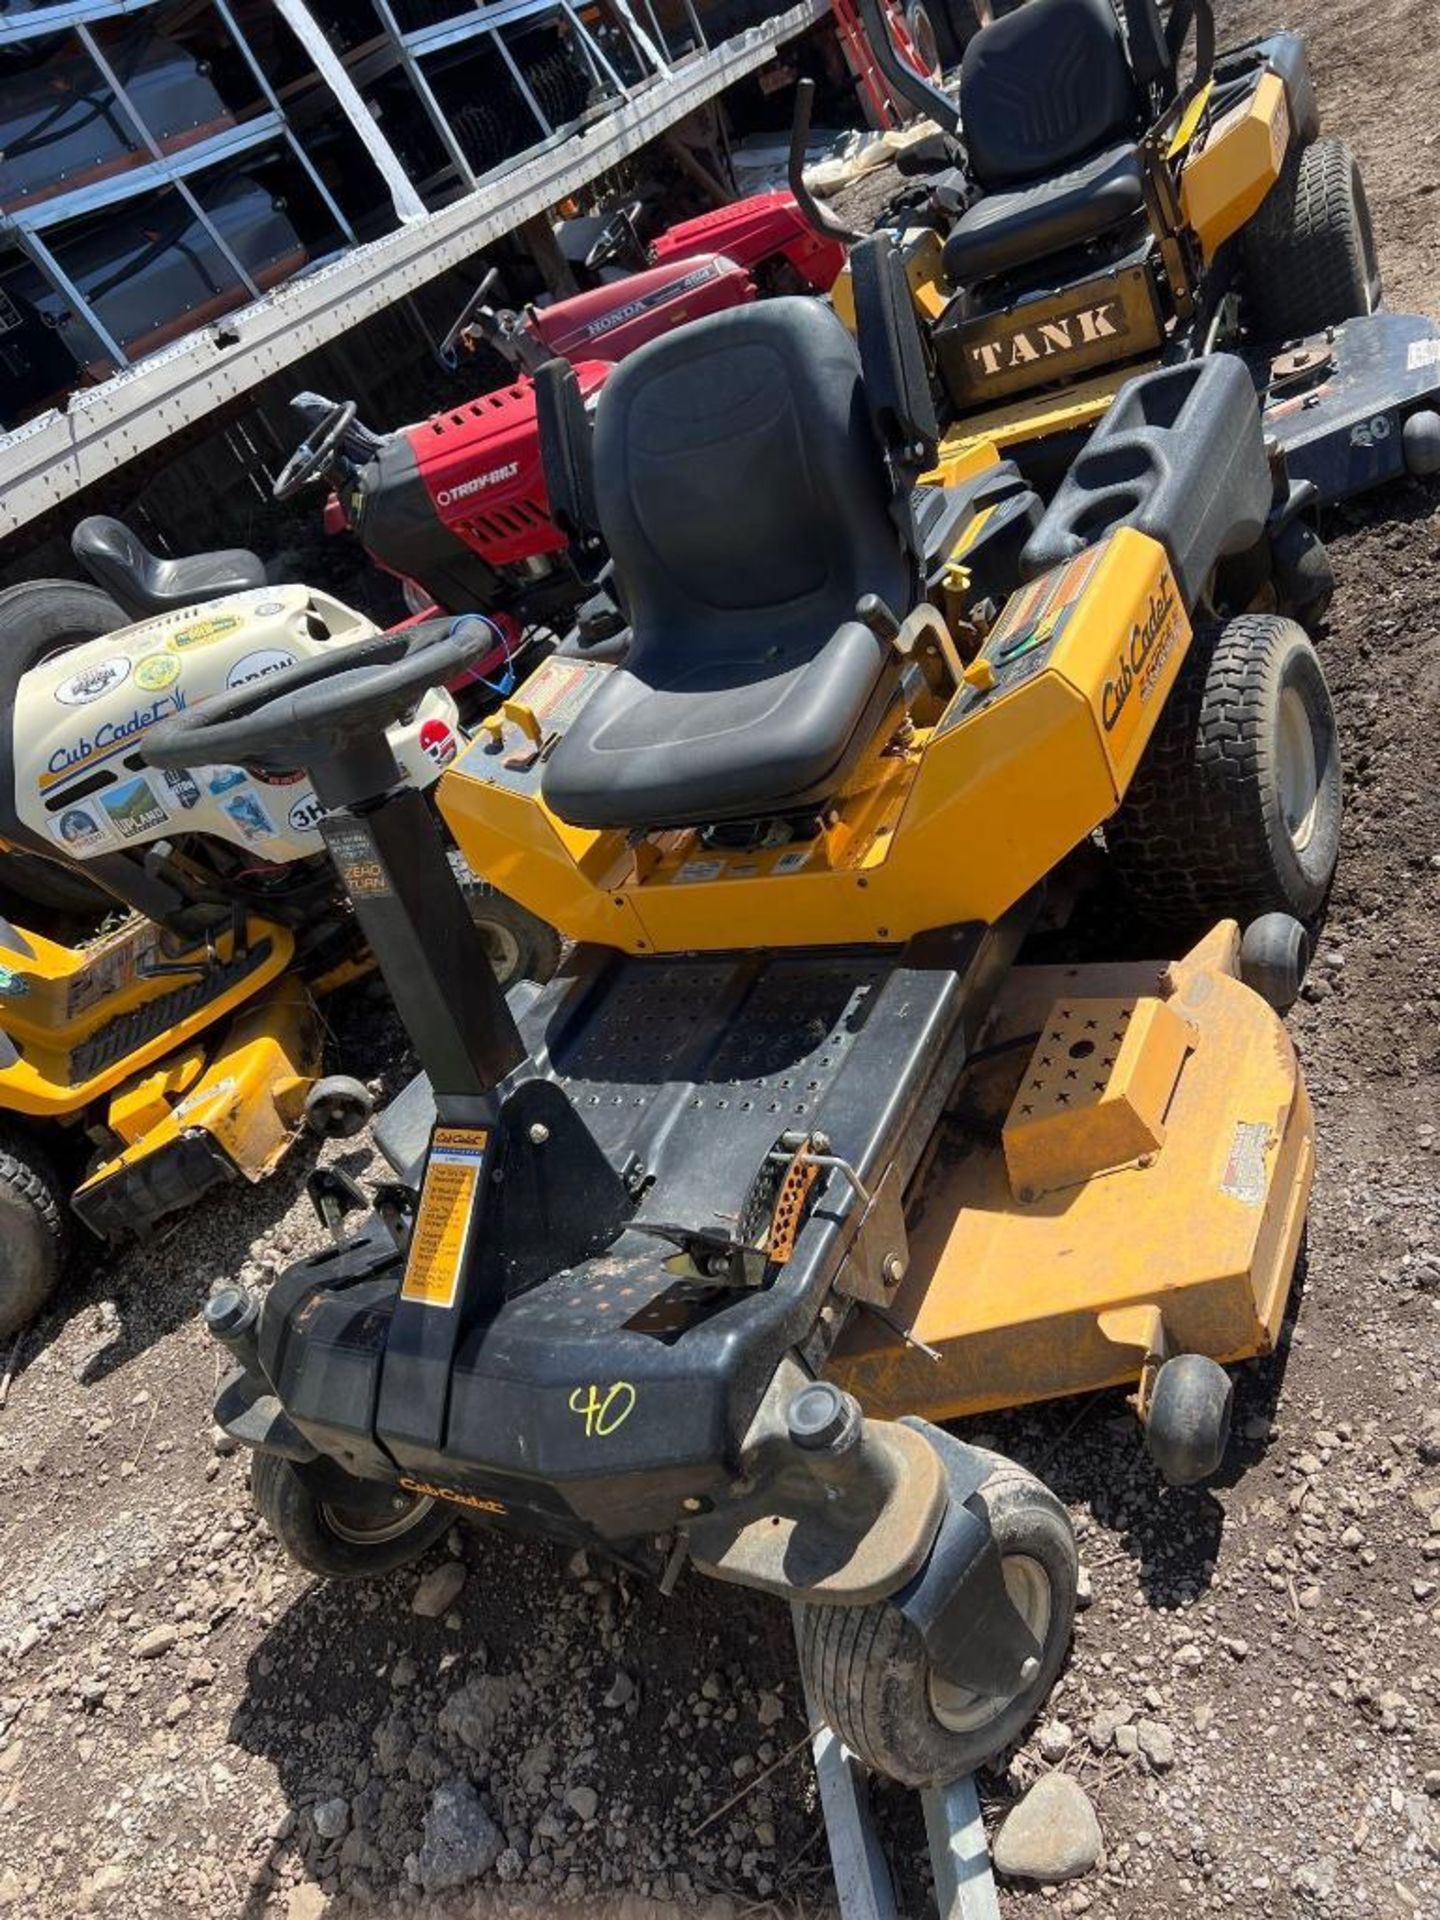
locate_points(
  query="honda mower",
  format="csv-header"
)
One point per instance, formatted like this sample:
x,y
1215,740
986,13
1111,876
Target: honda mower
x,y
793,1160
180,1047
1105,215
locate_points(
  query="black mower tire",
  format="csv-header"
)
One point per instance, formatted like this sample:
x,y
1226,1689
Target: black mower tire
x,y
868,1674
52,615
1203,832
521,945
34,1233
317,1536
1310,252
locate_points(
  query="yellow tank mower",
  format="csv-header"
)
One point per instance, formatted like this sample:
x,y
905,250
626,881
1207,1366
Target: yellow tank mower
x,y
177,1043
795,1157
1104,214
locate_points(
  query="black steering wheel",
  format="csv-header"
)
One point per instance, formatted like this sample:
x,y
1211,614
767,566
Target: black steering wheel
x,y
311,459
307,715
618,240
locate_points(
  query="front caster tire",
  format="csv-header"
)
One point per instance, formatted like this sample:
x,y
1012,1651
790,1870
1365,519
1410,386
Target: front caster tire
x,y
1187,1424
1235,807
868,1673
33,1233
356,1533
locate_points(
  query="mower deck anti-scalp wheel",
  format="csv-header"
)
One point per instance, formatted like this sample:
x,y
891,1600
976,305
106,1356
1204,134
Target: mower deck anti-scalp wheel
x,y
338,1107
33,1233
1187,1423
521,945
869,1675
1309,254
1235,807
343,1535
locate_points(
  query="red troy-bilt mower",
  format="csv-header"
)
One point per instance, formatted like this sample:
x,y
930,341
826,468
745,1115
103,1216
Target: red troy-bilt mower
x,y
456,505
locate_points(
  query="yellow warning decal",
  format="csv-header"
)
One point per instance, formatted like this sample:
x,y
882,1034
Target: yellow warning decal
x,y
447,1205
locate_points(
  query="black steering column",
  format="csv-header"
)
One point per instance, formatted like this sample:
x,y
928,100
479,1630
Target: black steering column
x,y
516,1187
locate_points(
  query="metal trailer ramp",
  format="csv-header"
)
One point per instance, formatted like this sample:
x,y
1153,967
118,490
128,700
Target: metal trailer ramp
x,y
954,1835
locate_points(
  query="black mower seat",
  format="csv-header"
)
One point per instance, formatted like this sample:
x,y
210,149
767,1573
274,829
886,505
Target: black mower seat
x,y
749,686
1002,231
144,584
1051,109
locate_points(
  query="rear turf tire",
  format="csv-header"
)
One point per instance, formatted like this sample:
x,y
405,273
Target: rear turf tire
x,y
1309,253
1235,807
34,1233
338,1535
868,1673
520,944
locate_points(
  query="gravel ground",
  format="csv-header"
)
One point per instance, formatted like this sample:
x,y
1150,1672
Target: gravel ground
x,y
1253,1701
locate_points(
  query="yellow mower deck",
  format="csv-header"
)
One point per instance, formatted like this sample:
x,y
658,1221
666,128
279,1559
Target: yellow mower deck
x,y
1138,1186
246,1095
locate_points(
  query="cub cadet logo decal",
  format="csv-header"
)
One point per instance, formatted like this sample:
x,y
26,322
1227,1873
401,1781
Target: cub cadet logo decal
x,y
89,683
204,631
448,495
1050,339
257,665
604,1411
1143,655
157,671
432,1492
109,738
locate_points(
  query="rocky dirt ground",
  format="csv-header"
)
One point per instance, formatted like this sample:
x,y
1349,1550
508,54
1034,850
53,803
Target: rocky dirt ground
x,y
187,1725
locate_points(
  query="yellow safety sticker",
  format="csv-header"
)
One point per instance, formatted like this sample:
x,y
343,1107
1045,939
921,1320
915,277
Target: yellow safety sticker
x,y
447,1205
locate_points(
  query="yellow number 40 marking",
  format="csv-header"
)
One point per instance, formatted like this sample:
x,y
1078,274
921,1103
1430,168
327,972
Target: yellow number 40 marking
x,y
604,1411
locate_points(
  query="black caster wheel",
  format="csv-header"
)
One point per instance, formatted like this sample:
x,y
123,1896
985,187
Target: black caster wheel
x,y
338,1106
1187,1426
341,1528
869,1676
1274,956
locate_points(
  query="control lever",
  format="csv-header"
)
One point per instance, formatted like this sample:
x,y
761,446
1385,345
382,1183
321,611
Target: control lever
x,y
825,223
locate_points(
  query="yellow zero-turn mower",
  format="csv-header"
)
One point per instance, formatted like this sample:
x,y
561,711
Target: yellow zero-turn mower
x,y
793,1160
1105,214
177,1043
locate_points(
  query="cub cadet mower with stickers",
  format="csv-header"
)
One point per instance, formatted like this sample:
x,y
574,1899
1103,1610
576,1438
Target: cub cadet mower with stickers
x,y
793,1160
181,1047
1106,215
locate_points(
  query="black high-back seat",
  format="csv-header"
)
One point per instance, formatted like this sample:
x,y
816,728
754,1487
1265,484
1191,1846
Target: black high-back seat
x,y
744,494
1052,110
144,583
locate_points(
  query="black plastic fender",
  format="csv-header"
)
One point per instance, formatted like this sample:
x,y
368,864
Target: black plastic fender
x,y
958,1603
